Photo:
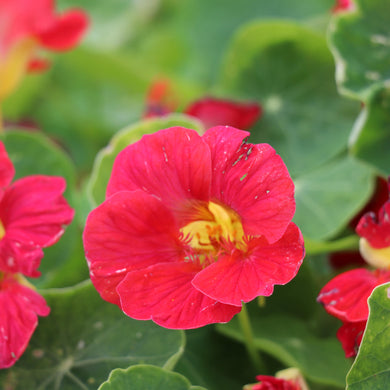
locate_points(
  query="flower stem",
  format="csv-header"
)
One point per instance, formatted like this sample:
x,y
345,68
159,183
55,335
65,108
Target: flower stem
x,y
246,328
343,244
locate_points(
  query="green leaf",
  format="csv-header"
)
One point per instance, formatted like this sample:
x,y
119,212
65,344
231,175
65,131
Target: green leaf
x,y
370,370
330,196
105,159
360,41
143,377
83,339
32,153
293,342
214,361
290,72
371,137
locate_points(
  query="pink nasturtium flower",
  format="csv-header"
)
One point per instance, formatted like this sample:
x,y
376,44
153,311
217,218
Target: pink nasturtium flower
x,y
33,213
28,26
346,295
210,111
193,226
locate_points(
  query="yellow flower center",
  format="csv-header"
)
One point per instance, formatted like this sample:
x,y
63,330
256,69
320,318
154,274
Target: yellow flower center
x,y
378,258
214,225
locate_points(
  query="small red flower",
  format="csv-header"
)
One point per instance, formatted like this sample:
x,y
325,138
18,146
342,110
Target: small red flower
x,y
28,26
210,111
342,5
19,307
192,226
33,213
213,112
345,296
288,379
375,237
350,336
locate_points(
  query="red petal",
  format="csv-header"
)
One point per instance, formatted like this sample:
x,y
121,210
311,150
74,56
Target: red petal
x,y
244,276
214,112
173,164
272,383
345,296
64,32
7,170
350,336
19,307
164,294
33,212
38,65
129,231
253,181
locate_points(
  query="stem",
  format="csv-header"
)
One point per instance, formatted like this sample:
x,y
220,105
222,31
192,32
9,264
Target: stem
x,y
246,328
343,244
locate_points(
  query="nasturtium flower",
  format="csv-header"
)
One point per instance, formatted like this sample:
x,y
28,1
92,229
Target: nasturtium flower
x,y
288,379
33,213
342,6
374,232
20,306
26,27
193,226
210,111
214,112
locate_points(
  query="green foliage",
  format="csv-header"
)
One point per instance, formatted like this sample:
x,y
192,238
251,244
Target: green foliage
x,y
360,42
83,339
371,367
143,377
371,137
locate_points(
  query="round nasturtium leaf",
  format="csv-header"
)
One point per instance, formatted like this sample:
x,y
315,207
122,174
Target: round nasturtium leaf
x,y
289,70
360,42
83,339
144,377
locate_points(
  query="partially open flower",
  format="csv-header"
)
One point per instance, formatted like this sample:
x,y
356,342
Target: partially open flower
x,y
192,227
25,28
288,379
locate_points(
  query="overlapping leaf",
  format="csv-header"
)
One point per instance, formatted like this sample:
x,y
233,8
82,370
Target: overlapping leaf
x,y
143,377
371,368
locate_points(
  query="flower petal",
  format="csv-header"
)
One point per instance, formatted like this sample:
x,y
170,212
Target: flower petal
x,y
350,336
131,230
173,164
345,296
252,180
64,32
244,276
19,307
33,212
7,170
164,294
